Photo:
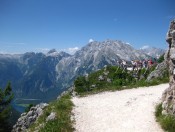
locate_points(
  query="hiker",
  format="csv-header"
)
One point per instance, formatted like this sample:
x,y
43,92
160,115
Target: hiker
x,y
124,64
133,65
120,64
145,64
137,64
140,64
150,63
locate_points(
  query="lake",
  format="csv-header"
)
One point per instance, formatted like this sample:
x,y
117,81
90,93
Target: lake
x,y
20,104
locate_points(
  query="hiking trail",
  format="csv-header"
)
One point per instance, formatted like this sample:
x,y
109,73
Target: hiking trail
x,y
130,110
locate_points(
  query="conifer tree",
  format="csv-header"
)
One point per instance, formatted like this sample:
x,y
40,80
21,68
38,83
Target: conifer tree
x,y
6,97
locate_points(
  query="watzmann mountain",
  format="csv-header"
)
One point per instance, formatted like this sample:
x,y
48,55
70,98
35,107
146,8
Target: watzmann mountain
x,y
44,76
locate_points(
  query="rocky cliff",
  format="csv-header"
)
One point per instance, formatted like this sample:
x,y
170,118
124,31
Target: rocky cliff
x,y
168,97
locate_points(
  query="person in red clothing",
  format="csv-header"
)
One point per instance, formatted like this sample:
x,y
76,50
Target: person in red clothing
x,y
150,63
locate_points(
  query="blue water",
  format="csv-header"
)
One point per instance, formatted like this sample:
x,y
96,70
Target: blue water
x,y
20,109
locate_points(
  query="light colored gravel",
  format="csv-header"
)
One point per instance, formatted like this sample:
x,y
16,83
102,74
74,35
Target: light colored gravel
x,y
129,110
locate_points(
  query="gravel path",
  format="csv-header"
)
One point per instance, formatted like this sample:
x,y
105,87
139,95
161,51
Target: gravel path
x,y
129,110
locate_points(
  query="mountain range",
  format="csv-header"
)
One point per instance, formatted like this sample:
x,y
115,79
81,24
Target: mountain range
x,y
44,76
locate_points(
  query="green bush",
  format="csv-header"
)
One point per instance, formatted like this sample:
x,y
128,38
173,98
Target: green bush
x,y
141,83
81,85
161,58
118,82
119,78
167,122
158,111
28,108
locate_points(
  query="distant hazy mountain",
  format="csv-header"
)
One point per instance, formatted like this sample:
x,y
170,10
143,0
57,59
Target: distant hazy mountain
x,y
154,52
32,74
44,76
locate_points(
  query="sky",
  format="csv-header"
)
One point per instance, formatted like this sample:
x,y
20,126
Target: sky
x,y
68,25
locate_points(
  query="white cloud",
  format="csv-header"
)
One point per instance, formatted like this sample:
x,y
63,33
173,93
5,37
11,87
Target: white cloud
x,y
128,43
68,50
2,52
72,50
145,47
91,40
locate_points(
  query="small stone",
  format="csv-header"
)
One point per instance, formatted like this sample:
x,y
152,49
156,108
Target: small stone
x,y
39,111
164,112
170,97
31,119
172,53
51,116
34,117
93,86
74,93
106,73
30,113
43,105
164,105
14,126
105,67
101,78
174,109
23,114
32,108
109,80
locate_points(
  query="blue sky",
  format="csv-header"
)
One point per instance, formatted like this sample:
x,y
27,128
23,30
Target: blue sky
x,y
39,25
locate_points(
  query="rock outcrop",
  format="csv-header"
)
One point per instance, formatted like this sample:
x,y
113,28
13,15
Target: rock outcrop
x,y
27,119
168,97
159,71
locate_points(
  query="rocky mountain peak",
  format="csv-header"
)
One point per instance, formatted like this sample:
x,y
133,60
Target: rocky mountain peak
x,y
64,54
54,53
51,51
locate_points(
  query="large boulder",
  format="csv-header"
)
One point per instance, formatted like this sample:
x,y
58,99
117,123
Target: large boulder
x,y
159,71
168,96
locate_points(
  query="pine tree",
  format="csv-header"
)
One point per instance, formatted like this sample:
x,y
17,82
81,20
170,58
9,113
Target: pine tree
x,y
6,97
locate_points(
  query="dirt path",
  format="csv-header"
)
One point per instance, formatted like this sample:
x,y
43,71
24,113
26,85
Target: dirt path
x,y
121,111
